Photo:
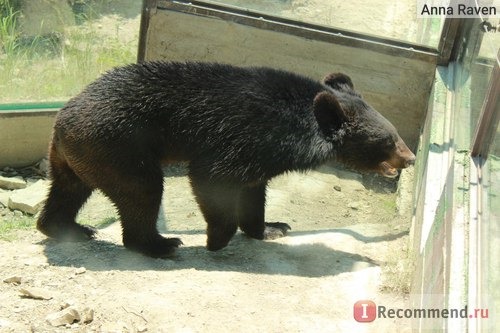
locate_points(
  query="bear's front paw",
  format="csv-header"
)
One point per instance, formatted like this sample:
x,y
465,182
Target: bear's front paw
x,y
276,230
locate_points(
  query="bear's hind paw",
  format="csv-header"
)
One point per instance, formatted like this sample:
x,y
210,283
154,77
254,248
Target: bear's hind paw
x,y
159,248
276,230
69,232
87,232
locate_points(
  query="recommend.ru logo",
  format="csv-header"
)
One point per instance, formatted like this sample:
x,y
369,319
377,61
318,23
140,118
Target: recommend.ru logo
x,y
365,311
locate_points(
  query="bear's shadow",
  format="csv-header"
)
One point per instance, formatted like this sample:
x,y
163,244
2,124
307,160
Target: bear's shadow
x,y
241,255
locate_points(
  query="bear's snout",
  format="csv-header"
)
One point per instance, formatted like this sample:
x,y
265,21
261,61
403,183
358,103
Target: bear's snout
x,y
402,157
410,161
404,154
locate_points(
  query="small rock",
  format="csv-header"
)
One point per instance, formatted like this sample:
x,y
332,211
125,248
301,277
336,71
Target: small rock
x,y
35,293
349,181
30,199
17,213
80,270
15,280
32,180
64,305
12,183
63,317
354,205
4,198
87,315
337,188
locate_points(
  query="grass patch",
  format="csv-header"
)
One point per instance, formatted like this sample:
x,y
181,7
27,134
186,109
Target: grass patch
x,y
389,204
10,225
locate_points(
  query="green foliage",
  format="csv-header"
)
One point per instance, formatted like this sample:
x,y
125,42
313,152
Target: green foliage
x,y
58,65
7,5
8,28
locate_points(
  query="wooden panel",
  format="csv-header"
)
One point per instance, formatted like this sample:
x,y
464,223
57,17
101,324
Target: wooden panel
x,y
397,87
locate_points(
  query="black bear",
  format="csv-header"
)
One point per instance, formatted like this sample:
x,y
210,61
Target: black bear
x,y
236,127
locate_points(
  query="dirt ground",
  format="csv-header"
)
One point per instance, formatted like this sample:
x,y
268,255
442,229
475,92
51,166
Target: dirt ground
x,y
345,229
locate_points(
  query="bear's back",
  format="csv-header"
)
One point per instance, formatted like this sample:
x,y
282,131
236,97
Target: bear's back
x,y
184,95
239,117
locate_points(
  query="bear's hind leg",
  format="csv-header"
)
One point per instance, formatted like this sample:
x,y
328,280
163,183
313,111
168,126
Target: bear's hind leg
x,y
217,202
137,195
251,212
67,195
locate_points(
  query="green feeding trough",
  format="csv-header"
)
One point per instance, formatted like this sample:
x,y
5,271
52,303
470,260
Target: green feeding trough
x,y
33,106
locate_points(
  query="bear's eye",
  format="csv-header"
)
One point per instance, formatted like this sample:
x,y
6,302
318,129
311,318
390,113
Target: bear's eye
x,y
391,144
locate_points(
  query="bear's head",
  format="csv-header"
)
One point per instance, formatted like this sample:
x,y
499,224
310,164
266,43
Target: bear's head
x,y
365,140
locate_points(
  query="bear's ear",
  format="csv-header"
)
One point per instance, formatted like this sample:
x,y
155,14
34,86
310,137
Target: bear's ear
x,y
328,112
338,81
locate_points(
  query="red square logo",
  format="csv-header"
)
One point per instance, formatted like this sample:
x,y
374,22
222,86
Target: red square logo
x,y
365,311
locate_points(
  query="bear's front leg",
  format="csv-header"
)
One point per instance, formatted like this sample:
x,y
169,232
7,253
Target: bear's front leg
x,y
217,202
251,214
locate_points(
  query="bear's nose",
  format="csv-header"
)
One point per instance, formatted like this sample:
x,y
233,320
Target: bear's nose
x,y
410,160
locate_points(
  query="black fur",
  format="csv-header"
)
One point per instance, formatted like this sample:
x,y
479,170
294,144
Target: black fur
x,y
237,128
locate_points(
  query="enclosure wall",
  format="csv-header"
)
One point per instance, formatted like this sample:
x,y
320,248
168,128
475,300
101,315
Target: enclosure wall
x,y
396,86
26,136
453,205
